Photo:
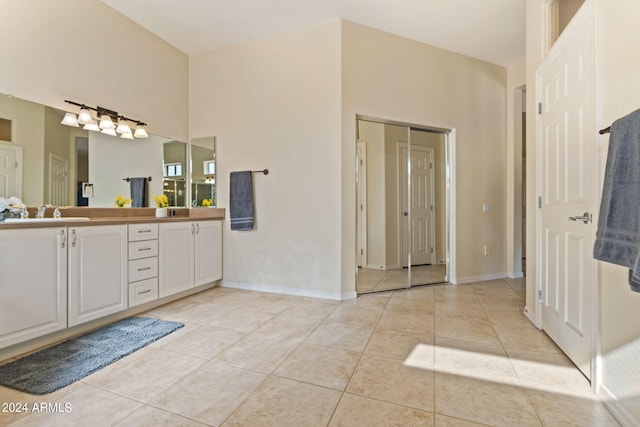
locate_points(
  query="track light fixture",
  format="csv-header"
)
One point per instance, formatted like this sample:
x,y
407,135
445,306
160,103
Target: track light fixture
x,y
107,121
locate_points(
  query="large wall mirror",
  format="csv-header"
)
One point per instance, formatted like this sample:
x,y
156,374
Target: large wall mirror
x,y
401,190
203,172
44,162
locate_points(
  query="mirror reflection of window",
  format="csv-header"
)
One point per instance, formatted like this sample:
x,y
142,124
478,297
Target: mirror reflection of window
x,y
173,169
209,167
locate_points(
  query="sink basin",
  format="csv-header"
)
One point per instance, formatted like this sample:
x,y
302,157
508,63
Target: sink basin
x,y
63,219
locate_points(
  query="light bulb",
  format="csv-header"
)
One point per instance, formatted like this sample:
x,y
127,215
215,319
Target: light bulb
x,y
70,119
140,132
106,122
92,125
123,127
84,117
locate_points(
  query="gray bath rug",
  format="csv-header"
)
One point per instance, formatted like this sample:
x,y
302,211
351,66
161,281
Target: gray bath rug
x,y
55,367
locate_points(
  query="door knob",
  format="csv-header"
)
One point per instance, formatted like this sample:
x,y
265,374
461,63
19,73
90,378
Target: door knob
x,y
405,213
586,218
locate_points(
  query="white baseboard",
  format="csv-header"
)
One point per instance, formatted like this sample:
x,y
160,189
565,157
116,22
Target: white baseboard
x,y
616,408
289,291
515,275
473,279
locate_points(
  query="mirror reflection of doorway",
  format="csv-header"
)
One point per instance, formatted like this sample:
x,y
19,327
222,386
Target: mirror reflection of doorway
x,y
401,206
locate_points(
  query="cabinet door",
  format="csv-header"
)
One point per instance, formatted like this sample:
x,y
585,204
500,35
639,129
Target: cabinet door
x,y
208,252
97,272
176,257
33,283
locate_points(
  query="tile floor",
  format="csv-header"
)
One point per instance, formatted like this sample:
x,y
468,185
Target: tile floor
x,y
438,355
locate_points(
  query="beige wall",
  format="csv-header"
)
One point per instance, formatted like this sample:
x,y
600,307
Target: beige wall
x,y
619,84
108,167
390,77
618,37
275,104
85,51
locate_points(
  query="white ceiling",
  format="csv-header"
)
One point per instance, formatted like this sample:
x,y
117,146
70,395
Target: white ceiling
x,y
491,30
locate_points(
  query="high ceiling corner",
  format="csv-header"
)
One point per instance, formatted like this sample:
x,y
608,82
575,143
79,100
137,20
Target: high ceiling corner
x,y
490,30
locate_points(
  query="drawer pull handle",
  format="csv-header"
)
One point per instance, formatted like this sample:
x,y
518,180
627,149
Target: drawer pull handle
x,y
144,249
145,231
144,292
144,269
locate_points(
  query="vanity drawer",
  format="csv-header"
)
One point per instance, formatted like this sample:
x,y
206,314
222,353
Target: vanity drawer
x,y
145,268
143,291
142,232
143,249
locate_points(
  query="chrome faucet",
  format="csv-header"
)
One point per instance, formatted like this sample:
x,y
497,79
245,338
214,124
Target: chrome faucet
x,y
43,209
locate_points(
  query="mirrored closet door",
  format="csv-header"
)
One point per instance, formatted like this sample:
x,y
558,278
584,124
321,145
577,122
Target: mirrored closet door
x,y
401,226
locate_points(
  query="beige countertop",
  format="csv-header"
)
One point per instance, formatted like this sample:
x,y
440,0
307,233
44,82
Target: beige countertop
x,y
111,216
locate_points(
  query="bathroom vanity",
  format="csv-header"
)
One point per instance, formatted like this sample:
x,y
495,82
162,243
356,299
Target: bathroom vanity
x,y
58,278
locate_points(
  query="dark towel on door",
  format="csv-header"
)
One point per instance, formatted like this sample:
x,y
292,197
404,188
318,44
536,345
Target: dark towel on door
x,y
241,200
138,188
618,235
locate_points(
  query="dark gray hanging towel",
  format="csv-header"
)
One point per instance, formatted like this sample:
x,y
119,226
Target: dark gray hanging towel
x,y
618,235
241,200
138,188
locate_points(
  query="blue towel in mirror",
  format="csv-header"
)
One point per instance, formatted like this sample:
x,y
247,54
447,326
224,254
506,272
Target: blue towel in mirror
x,y
241,205
138,187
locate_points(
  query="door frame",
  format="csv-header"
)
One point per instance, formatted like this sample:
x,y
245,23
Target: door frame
x,y
449,133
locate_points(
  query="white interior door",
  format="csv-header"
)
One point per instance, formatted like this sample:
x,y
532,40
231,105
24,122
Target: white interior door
x,y
58,180
567,188
10,170
421,212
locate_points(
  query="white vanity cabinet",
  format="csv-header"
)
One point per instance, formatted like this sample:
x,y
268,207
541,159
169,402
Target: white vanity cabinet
x,y
176,257
208,252
33,283
143,263
190,255
97,272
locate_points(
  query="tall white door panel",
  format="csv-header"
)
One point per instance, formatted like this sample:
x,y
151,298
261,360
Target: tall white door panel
x,y
568,192
10,170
